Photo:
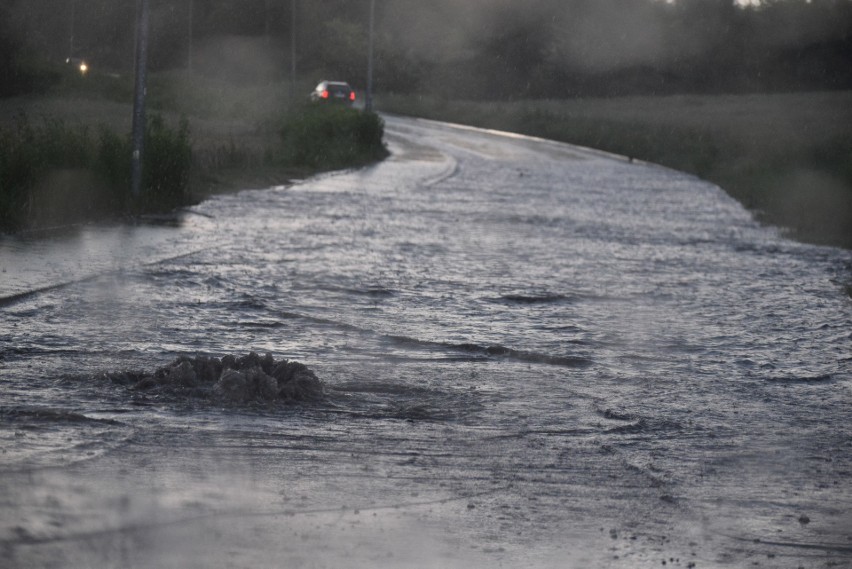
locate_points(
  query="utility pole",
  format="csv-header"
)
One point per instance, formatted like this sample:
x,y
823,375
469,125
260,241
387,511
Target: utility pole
x,y
189,34
266,21
368,100
138,136
293,50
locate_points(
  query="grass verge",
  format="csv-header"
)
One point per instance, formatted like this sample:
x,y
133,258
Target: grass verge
x,y
65,157
787,157
52,172
331,137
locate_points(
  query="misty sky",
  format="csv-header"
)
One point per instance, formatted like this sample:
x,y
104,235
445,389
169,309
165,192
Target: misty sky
x,y
444,42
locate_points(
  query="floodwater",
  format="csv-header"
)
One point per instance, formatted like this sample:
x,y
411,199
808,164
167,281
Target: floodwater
x,y
534,355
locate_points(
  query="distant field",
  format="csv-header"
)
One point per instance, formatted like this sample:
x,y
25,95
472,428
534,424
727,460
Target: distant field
x,y
788,157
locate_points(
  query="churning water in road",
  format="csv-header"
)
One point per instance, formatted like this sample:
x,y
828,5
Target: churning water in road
x,y
533,355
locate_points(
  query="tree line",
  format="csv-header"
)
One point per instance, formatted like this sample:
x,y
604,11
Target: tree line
x,y
491,49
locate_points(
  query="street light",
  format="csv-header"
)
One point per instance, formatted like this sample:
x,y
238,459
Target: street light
x,y
189,33
368,100
293,49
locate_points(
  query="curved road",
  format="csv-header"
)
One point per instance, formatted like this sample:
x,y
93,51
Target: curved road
x,y
536,355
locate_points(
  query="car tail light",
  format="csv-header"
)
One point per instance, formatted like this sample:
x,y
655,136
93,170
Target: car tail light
x,y
324,94
352,96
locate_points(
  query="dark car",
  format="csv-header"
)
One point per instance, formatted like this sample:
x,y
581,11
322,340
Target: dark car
x,y
333,92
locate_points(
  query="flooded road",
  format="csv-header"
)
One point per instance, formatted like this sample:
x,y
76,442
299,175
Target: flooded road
x,y
534,355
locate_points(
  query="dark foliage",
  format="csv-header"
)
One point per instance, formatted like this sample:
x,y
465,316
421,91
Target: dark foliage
x,y
168,159
331,136
489,49
31,153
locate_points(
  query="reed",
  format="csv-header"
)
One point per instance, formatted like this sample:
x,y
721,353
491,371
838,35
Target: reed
x,y
331,137
52,172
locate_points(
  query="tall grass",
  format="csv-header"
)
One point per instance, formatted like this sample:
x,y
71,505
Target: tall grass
x,y
51,172
787,157
54,173
167,164
242,134
19,167
325,137
165,169
27,151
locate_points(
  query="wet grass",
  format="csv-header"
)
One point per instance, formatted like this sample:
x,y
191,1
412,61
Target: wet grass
x,y
64,157
52,172
330,136
787,157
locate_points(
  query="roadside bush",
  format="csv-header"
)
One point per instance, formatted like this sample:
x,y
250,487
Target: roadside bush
x,y
63,146
329,137
113,166
19,166
165,172
29,154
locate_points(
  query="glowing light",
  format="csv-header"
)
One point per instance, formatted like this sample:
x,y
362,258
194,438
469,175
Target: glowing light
x,y
78,64
324,94
352,96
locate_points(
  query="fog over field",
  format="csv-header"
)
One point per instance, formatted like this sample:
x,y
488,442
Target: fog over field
x,y
478,48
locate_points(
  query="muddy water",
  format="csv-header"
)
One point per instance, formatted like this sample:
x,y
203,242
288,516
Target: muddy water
x,y
533,355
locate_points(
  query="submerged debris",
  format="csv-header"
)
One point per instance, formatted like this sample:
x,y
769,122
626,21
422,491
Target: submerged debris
x,y
230,379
